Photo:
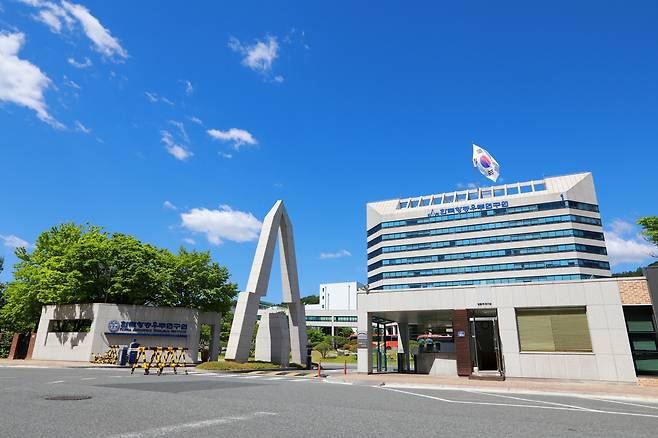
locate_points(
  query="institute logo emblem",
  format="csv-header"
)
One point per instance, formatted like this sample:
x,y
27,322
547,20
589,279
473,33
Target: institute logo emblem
x,y
113,326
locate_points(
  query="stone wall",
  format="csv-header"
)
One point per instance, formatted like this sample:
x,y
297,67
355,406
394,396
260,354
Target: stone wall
x,y
634,290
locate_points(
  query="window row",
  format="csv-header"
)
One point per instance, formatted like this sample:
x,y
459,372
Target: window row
x,y
521,266
489,226
486,281
492,253
313,318
472,194
483,210
488,240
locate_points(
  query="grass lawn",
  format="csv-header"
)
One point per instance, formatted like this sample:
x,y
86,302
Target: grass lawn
x,y
340,359
224,365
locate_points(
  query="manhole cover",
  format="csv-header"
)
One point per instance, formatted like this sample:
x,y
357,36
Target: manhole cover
x,y
68,397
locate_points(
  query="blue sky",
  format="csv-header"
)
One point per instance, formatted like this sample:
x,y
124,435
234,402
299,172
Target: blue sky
x,y
182,124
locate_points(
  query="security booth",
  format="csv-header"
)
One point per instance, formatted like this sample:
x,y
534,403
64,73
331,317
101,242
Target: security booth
x,y
79,332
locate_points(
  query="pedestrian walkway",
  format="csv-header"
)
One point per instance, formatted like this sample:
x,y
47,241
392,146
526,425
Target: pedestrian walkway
x,y
20,363
512,385
282,376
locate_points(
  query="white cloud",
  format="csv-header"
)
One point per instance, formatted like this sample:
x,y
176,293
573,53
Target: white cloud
x,y
81,128
278,78
12,241
189,241
626,245
335,255
259,56
189,88
22,82
181,129
225,155
175,149
101,37
71,83
239,137
222,224
167,101
57,16
196,120
168,205
152,97
84,64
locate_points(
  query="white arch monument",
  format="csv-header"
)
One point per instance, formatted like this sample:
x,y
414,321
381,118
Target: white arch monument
x,y
246,310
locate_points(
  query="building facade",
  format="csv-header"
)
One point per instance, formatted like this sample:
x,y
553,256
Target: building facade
x,y
536,231
339,296
504,281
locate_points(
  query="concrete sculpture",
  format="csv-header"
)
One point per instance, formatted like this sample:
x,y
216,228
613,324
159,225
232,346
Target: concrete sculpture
x,y
244,318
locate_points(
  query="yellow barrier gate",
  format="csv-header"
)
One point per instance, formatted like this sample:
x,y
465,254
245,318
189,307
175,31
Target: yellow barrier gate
x,y
160,358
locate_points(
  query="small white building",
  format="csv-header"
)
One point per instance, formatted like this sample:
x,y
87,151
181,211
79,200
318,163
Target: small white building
x,y
76,332
339,296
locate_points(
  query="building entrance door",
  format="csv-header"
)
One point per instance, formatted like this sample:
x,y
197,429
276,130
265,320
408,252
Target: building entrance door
x,y
486,344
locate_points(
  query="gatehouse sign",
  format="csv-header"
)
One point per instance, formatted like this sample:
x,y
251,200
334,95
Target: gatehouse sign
x,y
147,328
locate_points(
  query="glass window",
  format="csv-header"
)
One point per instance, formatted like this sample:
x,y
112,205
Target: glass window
x,y
645,345
414,203
540,186
448,198
514,190
553,329
526,188
461,196
486,193
424,202
499,192
403,204
640,326
436,200
473,195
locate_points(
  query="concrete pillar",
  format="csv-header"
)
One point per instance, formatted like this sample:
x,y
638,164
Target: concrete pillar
x,y
273,339
14,346
215,346
403,344
30,347
364,343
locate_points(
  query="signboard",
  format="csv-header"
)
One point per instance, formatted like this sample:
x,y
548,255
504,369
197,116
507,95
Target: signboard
x,y
362,340
147,328
467,208
461,333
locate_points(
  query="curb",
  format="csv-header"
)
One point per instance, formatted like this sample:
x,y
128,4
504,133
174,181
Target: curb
x,y
584,395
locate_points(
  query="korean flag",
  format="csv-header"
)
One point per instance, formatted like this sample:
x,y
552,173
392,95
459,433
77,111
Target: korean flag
x,y
485,163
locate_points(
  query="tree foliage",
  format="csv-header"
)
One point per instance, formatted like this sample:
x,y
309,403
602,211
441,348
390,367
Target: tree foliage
x,y
649,226
310,299
323,348
84,264
315,336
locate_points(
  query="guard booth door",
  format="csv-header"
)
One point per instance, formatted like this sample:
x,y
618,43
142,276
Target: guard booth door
x,y
486,343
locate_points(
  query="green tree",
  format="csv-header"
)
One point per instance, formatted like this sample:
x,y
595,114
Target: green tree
x,y
339,341
323,348
310,299
315,337
84,264
649,226
345,332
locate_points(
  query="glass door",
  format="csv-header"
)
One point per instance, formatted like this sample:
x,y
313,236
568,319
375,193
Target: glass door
x,y
486,346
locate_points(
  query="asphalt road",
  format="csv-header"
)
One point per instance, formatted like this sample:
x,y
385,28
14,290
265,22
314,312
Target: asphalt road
x,y
216,405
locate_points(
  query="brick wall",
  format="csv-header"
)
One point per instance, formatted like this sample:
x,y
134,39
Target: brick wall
x,y
634,291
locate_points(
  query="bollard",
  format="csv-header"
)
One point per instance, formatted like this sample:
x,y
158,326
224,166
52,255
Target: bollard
x,y
319,368
345,368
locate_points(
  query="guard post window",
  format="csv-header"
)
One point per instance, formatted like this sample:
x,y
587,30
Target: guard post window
x,y
553,329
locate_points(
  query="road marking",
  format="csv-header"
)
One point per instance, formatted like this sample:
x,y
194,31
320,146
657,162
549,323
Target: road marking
x,y
56,381
88,378
557,408
621,402
527,399
250,377
184,427
276,378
